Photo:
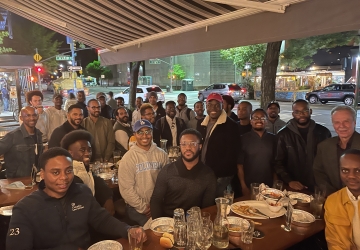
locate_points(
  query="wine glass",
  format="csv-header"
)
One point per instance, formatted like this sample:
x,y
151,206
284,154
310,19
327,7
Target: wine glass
x,y
204,235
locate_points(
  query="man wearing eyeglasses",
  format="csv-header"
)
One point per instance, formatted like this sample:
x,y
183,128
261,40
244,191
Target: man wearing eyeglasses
x,y
106,110
186,182
147,112
138,171
220,142
296,148
101,129
23,146
274,123
257,155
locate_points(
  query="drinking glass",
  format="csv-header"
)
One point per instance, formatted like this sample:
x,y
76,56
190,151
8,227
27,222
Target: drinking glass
x,y
191,231
116,158
229,194
180,234
320,192
288,217
247,233
254,188
278,184
205,216
316,206
115,176
179,215
204,235
136,237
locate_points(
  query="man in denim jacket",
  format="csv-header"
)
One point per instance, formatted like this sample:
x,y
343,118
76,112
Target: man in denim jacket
x,y
23,146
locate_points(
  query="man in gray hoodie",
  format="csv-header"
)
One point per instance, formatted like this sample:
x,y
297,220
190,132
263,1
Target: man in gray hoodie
x,y
138,171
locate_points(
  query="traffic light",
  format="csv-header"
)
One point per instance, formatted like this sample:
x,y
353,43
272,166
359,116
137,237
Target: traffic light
x,y
39,69
32,78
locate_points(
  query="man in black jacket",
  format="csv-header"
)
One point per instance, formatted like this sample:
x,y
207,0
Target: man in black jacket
x,y
221,145
158,108
170,127
58,215
106,110
74,119
296,148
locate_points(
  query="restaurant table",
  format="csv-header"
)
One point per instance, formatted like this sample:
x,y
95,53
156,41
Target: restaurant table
x,y
12,196
275,236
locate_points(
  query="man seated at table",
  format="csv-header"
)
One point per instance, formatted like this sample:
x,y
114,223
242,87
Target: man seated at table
x,y
342,217
78,143
23,146
186,182
138,171
58,215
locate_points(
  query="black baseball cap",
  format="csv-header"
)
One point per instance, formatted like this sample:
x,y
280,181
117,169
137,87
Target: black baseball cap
x,y
273,103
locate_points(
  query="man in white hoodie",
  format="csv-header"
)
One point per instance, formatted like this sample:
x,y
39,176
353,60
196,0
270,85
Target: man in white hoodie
x,y
138,171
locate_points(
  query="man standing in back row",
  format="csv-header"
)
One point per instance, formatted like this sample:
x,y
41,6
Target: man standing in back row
x,y
182,110
296,148
274,123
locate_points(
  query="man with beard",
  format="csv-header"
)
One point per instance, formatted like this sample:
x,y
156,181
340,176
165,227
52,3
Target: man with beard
x,y
220,142
244,111
74,119
81,102
184,183
274,123
228,104
182,110
121,103
199,111
296,147
136,113
122,130
257,155
56,115
170,127
106,110
102,131
157,106
147,113
326,163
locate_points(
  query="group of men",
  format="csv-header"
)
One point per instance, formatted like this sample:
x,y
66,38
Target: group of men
x,y
218,151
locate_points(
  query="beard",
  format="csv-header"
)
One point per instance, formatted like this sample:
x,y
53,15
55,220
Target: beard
x,y
73,122
303,123
259,129
125,119
196,155
273,115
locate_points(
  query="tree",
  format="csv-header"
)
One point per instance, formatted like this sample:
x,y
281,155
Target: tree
x,y
94,69
134,76
4,50
28,36
177,74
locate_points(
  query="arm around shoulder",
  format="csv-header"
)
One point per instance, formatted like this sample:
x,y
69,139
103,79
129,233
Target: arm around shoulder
x,y
280,159
157,198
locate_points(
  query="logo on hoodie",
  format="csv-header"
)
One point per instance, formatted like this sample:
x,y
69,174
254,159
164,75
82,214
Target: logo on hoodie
x,y
146,166
76,207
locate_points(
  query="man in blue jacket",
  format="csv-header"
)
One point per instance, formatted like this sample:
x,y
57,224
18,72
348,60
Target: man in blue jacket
x,y
58,215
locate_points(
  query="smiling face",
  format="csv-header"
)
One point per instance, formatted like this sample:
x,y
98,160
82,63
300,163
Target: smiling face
x,y
75,116
214,109
81,151
58,101
94,108
189,152
350,172
258,121
122,115
199,109
138,102
36,101
29,117
301,113
58,175
170,110
343,123
149,114
244,111
144,138
273,111
181,100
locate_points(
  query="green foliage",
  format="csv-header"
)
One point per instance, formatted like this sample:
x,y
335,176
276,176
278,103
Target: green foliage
x,y
4,50
94,69
28,36
253,54
178,72
298,53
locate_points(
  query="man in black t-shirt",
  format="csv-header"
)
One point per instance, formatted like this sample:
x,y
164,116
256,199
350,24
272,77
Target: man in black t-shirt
x,y
296,147
244,111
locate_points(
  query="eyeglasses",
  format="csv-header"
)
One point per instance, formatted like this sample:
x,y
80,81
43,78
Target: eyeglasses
x,y
303,112
83,150
146,132
189,143
30,115
217,106
153,113
256,118
95,108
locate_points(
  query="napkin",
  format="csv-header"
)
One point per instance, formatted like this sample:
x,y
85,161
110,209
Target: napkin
x,y
16,185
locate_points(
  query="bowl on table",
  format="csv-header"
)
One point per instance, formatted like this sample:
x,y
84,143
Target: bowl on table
x,y
272,194
106,176
162,225
273,206
237,225
302,199
301,218
106,245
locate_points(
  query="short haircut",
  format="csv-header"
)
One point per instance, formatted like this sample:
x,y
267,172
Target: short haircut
x,y
74,136
247,103
191,131
182,94
259,110
92,100
144,107
300,101
74,106
52,153
30,94
72,96
111,94
170,102
139,97
230,101
202,103
119,98
117,109
351,151
81,92
342,108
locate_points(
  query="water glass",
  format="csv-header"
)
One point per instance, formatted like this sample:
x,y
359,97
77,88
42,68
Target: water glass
x,y
205,216
204,235
179,215
191,230
278,184
116,158
229,194
115,176
320,192
288,217
180,234
247,233
255,189
136,237
316,207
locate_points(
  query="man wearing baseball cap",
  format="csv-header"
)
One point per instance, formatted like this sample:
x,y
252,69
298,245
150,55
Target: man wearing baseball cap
x,y
56,115
220,142
106,110
138,171
274,123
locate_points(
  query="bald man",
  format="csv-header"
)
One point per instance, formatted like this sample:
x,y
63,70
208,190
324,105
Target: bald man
x,y
23,146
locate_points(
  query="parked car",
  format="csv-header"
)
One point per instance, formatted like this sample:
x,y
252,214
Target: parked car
x,y
142,91
334,92
231,89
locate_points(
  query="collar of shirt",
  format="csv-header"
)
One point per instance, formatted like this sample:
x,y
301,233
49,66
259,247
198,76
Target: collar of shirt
x,y
351,196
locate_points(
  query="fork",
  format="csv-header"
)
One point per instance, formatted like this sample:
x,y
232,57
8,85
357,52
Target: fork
x,y
257,211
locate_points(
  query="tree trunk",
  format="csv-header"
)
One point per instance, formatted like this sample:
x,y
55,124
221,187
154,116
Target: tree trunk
x,y
269,68
134,74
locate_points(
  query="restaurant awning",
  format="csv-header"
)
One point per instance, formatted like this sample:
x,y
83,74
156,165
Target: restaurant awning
x,y
15,62
144,29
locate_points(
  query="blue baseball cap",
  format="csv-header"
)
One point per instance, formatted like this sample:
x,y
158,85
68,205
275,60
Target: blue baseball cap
x,y
142,124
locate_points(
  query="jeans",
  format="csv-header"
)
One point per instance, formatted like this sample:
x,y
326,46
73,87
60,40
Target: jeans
x,y
221,184
6,104
134,215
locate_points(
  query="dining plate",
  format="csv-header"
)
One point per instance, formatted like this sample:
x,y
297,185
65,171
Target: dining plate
x,y
6,211
300,197
105,176
240,208
106,245
272,193
162,225
302,216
